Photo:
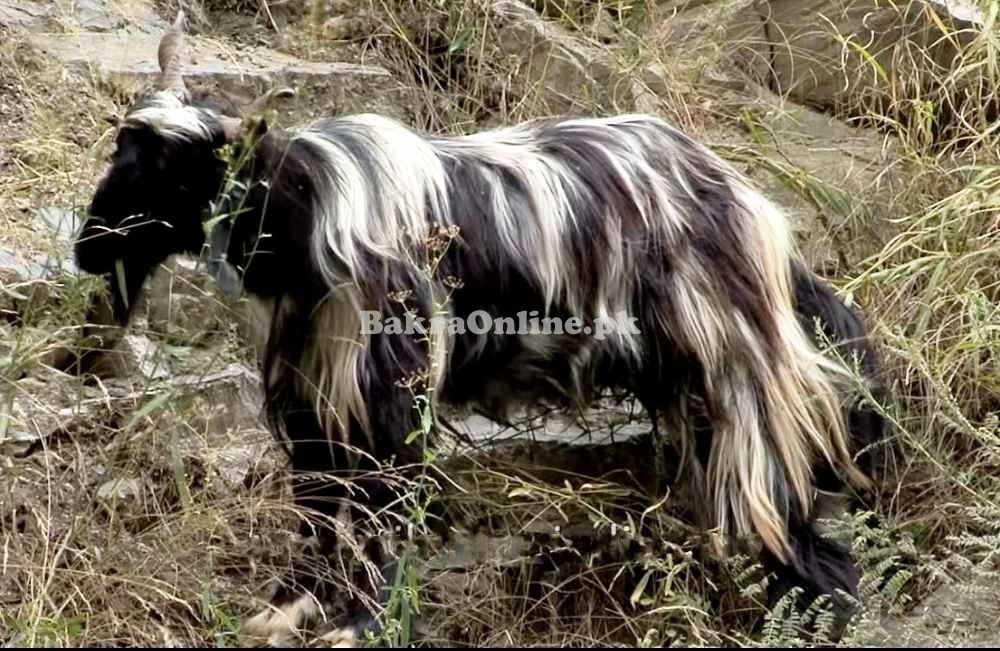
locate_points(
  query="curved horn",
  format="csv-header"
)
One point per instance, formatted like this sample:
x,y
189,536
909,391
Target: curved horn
x,y
170,52
263,102
234,128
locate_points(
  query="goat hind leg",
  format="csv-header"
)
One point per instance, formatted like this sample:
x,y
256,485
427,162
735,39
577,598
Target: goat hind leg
x,y
821,567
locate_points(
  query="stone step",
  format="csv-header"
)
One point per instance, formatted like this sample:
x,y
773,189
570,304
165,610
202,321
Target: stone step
x,y
89,15
129,54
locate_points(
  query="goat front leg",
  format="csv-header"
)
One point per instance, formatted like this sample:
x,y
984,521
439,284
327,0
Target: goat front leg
x,y
297,602
331,478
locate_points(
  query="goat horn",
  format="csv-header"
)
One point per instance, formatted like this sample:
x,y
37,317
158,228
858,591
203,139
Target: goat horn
x,y
262,103
170,53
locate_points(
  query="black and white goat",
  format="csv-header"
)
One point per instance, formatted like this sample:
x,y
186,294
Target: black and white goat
x,y
583,218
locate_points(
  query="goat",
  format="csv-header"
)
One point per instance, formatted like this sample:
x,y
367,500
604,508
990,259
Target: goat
x,y
558,217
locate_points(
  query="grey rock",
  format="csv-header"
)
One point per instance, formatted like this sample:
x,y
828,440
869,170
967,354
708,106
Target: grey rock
x,y
808,50
818,69
20,272
234,464
214,402
146,358
834,181
220,402
348,27
605,422
133,55
92,15
16,268
82,15
128,58
63,223
16,443
184,305
573,74
25,279
22,13
117,490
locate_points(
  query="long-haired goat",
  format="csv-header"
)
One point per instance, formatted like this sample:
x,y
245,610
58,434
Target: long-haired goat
x,y
584,218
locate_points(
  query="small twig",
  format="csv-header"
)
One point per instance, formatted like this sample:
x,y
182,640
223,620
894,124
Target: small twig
x,y
270,17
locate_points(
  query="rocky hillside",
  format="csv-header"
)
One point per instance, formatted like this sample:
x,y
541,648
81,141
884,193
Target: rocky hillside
x,y
148,505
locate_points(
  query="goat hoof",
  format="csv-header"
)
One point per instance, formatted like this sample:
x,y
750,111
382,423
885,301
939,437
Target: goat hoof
x,y
344,637
355,633
278,626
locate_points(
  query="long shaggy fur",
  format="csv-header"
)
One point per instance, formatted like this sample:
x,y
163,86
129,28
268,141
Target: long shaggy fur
x,y
585,218
589,218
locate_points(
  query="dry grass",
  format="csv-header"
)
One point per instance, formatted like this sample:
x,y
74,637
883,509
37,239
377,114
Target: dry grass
x,y
129,525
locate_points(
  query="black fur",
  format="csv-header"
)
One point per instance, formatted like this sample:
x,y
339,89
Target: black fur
x,y
816,304
133,226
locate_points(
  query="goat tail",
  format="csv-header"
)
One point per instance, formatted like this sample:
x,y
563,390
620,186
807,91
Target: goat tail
x,y
772,398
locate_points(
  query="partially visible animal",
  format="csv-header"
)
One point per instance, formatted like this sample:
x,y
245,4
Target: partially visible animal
x,y
586,218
